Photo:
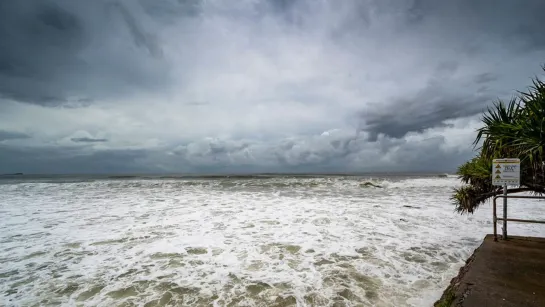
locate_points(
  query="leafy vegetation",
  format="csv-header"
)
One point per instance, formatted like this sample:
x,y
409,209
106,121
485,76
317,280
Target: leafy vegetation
x,y
511,130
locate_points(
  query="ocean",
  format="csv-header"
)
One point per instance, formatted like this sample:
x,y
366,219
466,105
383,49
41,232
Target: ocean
x,y
269,240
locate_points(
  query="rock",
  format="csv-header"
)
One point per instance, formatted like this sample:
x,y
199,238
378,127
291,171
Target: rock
x,y
370,184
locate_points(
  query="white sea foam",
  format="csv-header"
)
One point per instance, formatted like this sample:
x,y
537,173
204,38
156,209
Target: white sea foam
x,y
238,242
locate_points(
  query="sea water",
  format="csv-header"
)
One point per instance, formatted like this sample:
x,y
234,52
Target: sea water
x,y
243,241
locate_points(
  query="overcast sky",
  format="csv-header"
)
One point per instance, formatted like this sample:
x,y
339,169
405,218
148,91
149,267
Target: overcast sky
x,y
256,85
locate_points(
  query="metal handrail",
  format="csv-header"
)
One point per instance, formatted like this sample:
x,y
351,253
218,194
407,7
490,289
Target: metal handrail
x,y
505,219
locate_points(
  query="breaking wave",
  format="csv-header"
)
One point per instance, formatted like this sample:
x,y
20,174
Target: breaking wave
x,y
276,241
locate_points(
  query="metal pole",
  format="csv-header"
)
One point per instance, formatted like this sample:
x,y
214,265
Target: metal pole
x,y
495,219
505,212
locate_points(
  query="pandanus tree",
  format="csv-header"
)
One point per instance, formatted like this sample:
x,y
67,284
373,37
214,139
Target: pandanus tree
x,y
515,129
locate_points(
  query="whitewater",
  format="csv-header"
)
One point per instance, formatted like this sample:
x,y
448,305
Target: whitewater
x,y
243,241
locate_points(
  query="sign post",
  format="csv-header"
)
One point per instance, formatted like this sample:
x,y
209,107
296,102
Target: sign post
x,y
504,230
505,172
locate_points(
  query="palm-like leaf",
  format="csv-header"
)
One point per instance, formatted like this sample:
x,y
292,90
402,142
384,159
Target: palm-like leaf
x,y
512,130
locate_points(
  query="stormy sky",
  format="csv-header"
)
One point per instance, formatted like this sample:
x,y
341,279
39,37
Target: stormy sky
x,y
114,86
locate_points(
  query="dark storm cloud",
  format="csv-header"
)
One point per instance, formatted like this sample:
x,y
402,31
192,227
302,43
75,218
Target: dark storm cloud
x,y
9,135
482,28
54,50
255,85
512,18
516,24
412,115
34,36
47,55
88,140
427,108
140,36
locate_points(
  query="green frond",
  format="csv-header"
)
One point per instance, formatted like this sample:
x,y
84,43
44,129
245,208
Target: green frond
x,y
515,129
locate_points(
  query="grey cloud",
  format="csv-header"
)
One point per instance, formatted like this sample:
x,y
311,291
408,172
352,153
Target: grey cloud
x,y
31,33
54,50
485,78
69,35
336,150
427,109
10,135
510,20
259,78
140,36
507,26
427,155
212,151
168,11
197,103
330,151
65,160
88,140
446,68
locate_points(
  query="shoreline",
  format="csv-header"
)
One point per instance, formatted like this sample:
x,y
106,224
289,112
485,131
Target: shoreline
x,y
449,294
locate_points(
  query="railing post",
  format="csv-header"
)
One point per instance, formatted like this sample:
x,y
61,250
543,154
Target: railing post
x,y
495,218
505,219
505,211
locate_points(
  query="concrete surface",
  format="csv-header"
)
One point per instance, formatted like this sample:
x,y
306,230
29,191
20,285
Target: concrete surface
x,y
507,273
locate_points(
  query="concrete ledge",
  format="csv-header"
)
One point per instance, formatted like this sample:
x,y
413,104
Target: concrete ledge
x,y
507,273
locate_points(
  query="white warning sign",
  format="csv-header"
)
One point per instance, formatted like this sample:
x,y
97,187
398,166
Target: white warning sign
x,y
506,171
